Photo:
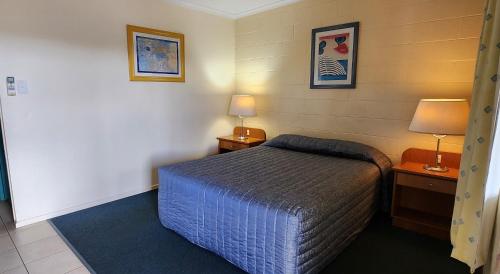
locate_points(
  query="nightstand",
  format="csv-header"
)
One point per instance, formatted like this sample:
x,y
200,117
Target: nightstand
x,y
423,200
230,143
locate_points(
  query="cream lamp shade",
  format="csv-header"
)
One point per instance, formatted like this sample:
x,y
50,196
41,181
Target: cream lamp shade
x,y
441,116
242,106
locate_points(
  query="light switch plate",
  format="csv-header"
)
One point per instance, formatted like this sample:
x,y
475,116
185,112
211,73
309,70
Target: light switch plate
x,y
22,87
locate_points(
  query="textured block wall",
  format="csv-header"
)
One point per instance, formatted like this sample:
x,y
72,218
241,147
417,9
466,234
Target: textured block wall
x,y
408,49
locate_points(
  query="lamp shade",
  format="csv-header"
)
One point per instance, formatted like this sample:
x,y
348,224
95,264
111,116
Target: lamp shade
x,y
242,105
441,116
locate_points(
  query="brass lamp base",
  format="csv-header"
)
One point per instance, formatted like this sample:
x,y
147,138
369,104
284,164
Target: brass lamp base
x,y
436,168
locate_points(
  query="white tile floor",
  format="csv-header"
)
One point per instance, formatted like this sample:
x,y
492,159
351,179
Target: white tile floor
x,y
35,249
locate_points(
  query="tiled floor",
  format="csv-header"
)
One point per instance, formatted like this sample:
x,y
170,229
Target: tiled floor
x,y
35,249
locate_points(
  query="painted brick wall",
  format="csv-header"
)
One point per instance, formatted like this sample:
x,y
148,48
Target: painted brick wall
x,y
408,49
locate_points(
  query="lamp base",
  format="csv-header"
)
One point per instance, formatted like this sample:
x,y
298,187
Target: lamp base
x,y
242,136
436,168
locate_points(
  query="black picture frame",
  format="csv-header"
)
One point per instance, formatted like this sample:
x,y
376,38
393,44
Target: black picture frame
x,y
352,84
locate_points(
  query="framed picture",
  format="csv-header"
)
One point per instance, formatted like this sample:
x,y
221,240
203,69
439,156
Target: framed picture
x,y
333,56
155,55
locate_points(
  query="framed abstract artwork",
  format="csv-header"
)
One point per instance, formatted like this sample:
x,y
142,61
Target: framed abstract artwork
x,y
155,55
333,56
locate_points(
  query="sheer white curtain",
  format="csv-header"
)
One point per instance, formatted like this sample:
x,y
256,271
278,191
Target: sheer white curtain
x,y
491,221
493,267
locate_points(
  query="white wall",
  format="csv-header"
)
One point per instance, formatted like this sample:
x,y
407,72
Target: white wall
x,y
85,134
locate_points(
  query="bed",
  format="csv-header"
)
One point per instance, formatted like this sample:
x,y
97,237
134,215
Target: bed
x,y
290,205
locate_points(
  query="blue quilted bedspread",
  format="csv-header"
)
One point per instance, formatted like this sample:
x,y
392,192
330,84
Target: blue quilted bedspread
x,y
288,206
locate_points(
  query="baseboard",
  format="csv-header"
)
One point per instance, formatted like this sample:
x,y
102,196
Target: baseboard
x,y
65,211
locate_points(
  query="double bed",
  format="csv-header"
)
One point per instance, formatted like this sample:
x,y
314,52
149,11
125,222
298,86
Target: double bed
x,y
288,206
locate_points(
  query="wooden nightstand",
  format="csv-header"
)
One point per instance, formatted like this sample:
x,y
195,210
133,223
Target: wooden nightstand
x,y
230,143
422,200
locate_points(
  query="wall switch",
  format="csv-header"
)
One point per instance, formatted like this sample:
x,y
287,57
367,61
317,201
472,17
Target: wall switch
x,y
22,87
11,86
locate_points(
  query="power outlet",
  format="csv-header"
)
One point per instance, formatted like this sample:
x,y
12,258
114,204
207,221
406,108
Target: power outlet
x,y
248,132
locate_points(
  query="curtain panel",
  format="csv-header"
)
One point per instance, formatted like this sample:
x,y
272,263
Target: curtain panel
x,y
476,202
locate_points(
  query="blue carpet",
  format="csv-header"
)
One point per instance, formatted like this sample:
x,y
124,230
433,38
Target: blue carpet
x,y
126,236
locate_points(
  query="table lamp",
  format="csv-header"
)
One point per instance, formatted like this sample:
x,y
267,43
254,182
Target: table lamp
x,y
440,117
242,106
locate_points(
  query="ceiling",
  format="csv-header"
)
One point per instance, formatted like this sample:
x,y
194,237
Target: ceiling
x,y
232,8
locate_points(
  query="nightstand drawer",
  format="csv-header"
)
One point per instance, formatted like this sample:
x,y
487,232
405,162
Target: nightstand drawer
x,y
231,145
427,183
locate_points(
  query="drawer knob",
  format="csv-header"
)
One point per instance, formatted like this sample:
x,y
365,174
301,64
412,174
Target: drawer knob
x,y
430,184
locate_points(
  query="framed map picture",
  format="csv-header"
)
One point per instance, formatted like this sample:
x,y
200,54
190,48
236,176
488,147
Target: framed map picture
x,y
333,56
155,55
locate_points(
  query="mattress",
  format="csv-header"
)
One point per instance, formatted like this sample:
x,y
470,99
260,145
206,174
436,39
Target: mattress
x,y
288,206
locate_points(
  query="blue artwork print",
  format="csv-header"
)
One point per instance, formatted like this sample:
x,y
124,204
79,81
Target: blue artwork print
x,y
157,56
333,57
